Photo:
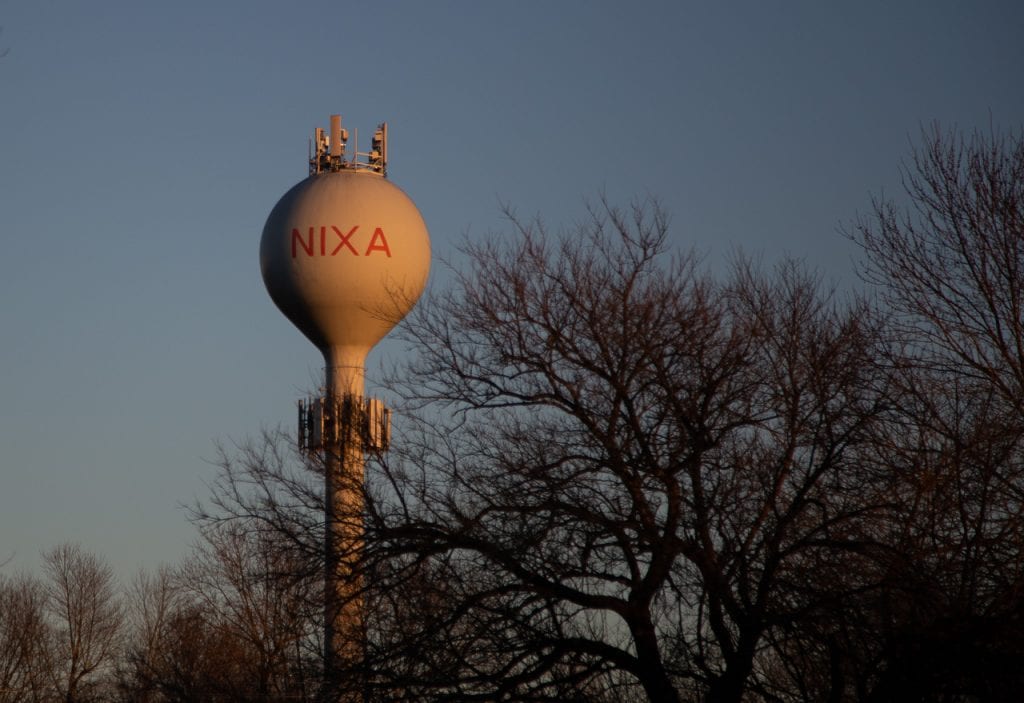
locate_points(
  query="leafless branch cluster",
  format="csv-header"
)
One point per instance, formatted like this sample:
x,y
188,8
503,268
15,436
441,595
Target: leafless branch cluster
x,y
231,623
622,474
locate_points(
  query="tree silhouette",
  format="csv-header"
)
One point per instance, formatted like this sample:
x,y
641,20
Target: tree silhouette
x,y
950,266
85,612
622,471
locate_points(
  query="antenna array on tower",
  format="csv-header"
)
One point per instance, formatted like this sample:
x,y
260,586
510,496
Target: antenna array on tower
x,y
328,150
321,418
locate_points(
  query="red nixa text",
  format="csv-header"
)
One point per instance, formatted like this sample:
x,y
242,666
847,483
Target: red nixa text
x,y
331,241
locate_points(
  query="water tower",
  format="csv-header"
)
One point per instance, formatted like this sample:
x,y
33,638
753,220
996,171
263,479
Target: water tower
x,y
345,255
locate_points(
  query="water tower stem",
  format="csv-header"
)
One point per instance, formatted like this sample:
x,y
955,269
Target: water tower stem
x,y
344,611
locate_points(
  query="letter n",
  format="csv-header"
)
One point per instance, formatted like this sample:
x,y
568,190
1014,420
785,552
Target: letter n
x,y
306,246
378,243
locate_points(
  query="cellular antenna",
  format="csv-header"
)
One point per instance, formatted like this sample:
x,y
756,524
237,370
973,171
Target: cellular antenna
x,y
328,152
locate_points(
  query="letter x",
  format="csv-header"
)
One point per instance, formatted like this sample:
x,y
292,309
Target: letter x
x,y
344,240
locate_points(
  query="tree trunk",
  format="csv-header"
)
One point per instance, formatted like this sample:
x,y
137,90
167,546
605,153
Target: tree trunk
x,y
729,685
652,674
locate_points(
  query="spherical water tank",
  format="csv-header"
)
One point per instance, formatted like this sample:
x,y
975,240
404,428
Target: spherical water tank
x,y
345,255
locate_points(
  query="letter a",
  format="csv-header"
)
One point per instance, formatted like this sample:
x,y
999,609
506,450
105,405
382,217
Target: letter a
x,y
306,246
378,243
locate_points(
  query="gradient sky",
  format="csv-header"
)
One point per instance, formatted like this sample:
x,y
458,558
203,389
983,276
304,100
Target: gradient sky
x,y
142,145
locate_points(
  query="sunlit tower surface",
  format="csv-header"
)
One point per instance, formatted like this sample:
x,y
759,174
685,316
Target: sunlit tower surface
x,y
345,254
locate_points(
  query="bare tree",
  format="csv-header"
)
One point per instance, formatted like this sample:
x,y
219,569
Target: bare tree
x,y
950,265
622,471
153,604
85,610
951,262
264,601
24,638
232,623
259,566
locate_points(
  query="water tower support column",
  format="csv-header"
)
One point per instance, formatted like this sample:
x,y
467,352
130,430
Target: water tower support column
x,y
344,460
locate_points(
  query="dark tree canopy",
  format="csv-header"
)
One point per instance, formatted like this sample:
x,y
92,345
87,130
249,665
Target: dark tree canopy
x,y
624,472
950,266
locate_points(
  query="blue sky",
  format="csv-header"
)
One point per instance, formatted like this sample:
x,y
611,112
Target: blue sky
x,y
142,145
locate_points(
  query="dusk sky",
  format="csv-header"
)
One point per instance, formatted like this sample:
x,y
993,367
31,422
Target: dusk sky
x,y
142,145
